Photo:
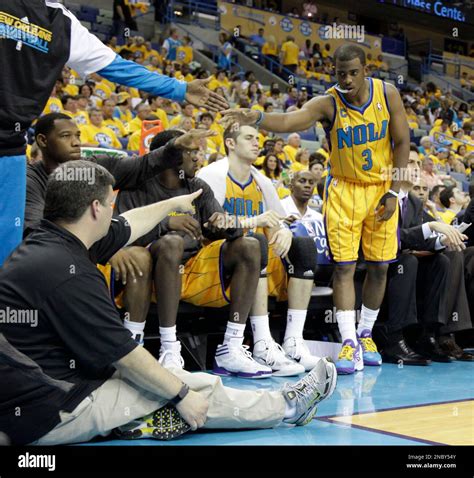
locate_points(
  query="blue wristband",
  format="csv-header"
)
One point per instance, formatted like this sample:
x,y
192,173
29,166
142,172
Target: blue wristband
x,y
260,119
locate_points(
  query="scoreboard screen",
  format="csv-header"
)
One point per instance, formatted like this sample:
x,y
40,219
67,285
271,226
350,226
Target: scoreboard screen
x,y
435,7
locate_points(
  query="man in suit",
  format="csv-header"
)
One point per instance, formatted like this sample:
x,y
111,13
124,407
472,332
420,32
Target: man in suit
x,y
461,274
469,219
417,288
421,190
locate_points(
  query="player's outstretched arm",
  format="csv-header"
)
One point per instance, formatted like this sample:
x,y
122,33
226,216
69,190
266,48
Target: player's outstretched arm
x,y
89,55
318,109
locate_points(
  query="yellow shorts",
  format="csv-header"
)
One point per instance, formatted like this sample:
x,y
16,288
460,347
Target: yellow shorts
x,y
202,281
111,284
203,278
107,273
277,276
349,216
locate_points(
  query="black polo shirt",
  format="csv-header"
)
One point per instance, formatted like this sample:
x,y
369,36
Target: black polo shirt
x,y
73,331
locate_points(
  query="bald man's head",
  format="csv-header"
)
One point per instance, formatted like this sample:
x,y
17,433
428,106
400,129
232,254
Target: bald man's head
x,y
302,186
421,190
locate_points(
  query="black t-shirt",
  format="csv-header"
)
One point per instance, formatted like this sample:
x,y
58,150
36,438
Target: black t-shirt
x,y
37,39
69,327
153,191
128,173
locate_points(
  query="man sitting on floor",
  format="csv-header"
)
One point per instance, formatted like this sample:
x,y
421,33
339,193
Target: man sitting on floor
x,y
100,378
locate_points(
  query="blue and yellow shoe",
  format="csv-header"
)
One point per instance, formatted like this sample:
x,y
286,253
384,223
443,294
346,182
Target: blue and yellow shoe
x,y
370,353
350,358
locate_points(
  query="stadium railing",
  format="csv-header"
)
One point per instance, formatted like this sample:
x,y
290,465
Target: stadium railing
x,y
193,12
453,87
210,50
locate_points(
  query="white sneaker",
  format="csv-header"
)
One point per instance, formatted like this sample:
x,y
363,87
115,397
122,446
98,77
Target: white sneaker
x,y
296,349
304,395
268,352
232,360
170,356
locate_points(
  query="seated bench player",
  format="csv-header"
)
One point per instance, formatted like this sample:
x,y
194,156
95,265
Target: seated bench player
x,y
59,140
202,259
246,193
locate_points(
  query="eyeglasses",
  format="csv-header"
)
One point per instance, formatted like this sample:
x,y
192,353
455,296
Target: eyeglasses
x,y
191,152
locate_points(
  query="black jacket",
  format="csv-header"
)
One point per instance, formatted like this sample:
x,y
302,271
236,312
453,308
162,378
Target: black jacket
x,y
411,234
469,219
33,52
128,173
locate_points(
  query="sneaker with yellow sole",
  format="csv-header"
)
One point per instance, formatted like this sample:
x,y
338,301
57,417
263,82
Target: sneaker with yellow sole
x,y
350,358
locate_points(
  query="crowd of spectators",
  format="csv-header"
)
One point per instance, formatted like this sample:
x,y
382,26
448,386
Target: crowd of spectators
x,y
111,116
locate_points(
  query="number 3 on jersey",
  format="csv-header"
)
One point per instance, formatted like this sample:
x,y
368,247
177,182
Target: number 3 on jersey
x,y
367,155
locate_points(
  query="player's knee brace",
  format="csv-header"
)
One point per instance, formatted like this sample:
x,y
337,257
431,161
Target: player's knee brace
x,y
302,258
263,253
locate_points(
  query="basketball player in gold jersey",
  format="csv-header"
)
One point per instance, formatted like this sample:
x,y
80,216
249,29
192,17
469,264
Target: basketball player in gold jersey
x,y
368,132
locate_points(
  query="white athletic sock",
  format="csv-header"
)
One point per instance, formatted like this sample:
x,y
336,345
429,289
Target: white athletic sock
x,y
137,330
260,327
295,320
367,319
167,334
290,411
234,333
346,324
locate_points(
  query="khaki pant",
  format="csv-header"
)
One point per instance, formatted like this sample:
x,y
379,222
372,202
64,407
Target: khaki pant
x,y
119,401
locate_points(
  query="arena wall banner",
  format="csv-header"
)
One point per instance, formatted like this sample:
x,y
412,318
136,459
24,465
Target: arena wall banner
x,y
251,19
466,64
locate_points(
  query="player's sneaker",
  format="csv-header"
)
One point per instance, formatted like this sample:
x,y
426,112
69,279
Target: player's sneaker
x,y
170,357
236,360
350,358
268,352
297,350
370,353
163,424
309,391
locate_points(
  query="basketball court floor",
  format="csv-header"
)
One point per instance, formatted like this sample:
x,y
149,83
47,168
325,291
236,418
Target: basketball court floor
x,y
386,405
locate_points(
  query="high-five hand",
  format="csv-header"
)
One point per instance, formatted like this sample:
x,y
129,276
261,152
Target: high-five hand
x,y
198,94
241,116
